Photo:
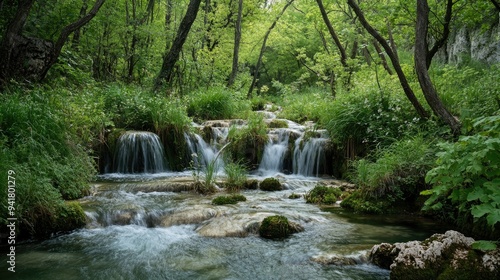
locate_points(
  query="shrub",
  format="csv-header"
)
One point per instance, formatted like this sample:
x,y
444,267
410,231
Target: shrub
x,y
216,103
323,195
248,142
236,176
232,199
468,173
270,185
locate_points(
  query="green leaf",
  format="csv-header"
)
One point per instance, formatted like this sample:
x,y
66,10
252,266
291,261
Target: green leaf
x,y
477,193
480,210
484,245
493,217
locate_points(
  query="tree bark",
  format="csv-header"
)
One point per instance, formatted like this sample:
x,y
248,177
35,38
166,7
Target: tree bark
x,y
421,55
324,15
75,43
169,61
444,37
237,39
263,48
395,62
382,57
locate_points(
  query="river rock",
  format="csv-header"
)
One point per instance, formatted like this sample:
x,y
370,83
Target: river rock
x,y
234,225
442,256
194,215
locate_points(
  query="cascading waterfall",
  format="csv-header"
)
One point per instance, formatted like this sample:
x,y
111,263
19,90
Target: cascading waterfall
x,y
139,152
203,153
308,156
274,152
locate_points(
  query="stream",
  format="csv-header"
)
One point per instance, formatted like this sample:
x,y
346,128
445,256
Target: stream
x,y
146,222
137,230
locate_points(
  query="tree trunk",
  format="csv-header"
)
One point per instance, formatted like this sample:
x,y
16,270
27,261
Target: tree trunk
x,y
169,61
382,57
75,43
263,48
421,53
395,62
31,58
343,54
237,39
444,37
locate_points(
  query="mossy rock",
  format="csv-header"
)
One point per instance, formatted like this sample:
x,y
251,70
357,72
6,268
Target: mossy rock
x,y
323,195
278,227
231,199
294,196
270,185
274,123
251,184
70,217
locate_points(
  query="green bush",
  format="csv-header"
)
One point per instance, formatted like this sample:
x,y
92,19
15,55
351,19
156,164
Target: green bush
x,y
248,142
270,185
49,162
231,199
216,103
323,195
309,105
468,173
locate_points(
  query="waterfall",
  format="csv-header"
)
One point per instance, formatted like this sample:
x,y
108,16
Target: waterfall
x,y
203,153
274,152
308,156
139,152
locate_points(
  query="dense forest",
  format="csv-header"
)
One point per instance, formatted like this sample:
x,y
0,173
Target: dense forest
x,y
408,91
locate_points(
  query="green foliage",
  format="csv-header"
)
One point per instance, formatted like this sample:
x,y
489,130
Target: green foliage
x,y
358,202
236,176
468,172
248,142
484,245
50,162
398,171
270,185
231,199
216,103
308,105
323,195
371,118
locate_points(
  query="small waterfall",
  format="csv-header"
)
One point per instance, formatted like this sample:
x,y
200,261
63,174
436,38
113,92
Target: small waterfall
x,y
139,152
274,152
203,153
308,156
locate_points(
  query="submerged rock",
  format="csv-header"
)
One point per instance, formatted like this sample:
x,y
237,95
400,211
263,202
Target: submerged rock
x,y
442,256
235,225
194,215
334,259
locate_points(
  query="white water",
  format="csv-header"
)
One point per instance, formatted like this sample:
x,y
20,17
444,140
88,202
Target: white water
x,y
139,152
274,152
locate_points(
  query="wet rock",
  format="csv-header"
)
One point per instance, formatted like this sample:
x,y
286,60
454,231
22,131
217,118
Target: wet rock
x,y
236,225
278,227
443,256
194,215
333,259
271,184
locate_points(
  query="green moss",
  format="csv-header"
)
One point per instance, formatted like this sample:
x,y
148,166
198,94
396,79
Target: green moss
x,y
232,199
278,124
294,196
323,195
271,184
71,216
277,227
251,184
356,202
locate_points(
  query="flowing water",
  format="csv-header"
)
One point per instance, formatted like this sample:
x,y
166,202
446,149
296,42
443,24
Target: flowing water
x,y
146,223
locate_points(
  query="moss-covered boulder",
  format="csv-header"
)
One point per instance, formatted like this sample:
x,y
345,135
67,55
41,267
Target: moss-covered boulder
x,y
278,227
231,199
270,185
323,195
442,256
251,184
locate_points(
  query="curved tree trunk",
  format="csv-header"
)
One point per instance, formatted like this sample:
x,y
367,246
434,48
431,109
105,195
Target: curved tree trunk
x,y
31,58
421,55
169,61
263,48
237,39
395,62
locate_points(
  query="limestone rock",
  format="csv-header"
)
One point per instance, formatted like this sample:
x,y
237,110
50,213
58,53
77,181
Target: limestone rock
x,y
444,256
